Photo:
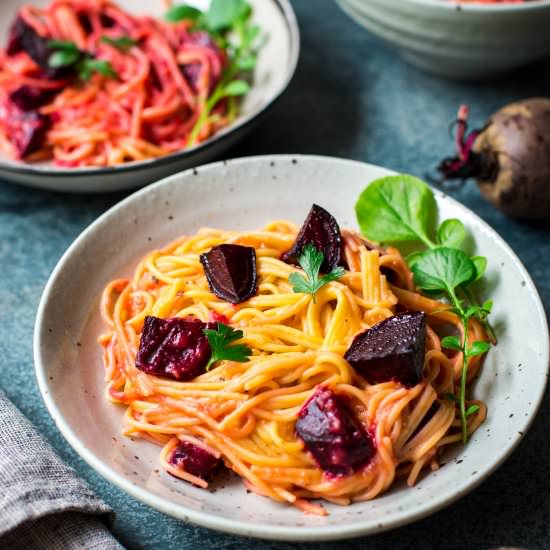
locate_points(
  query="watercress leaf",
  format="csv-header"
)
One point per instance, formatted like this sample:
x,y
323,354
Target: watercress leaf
x,y
413,257
63,58
471,410
451,233
246,63
442,269
182,12
396,208
478,348
451,342
450,397
480,264
487,306
237,88
223,14
63,45
122,43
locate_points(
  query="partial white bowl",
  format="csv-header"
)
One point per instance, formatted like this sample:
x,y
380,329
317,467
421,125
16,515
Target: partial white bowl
x,y
247,193
455,39
277,62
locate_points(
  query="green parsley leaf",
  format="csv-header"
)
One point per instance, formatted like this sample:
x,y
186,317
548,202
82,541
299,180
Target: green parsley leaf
x,y
63,45
89,65
181,12
471,410
310,261
395,209
221,340
451,233
122,43
478,348
451,342
442,269
63,58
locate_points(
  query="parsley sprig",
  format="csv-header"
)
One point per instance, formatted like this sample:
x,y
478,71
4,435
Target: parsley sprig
x,y
403,209
221,341
122,43
67,54
228,23
310,261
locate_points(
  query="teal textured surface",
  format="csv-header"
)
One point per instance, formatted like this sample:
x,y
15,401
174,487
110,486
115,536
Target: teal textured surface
x,y
351,97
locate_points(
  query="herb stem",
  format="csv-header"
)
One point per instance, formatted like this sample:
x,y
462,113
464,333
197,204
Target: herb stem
x,y
463,378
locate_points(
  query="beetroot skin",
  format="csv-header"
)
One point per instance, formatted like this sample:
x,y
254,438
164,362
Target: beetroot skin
x,y
194,460
174,348
321,230
337,441
231,272
393,349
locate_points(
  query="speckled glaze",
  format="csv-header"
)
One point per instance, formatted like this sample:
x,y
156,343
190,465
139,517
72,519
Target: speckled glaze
x,y
274,70
458,40
70,373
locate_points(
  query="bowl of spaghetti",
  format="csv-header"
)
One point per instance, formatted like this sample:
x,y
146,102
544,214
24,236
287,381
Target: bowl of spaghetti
x,y
262,361
458,39
111,95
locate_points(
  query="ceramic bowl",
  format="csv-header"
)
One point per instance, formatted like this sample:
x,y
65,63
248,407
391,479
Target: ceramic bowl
x,y
455,39
276,64
70,371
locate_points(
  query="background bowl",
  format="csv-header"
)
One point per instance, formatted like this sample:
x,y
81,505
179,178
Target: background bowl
x,y
276,64
458,40
246,194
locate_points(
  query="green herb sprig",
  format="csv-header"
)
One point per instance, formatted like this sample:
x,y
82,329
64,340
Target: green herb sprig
x,y
403,209
221,341
228,23
310,261
67,54
122,43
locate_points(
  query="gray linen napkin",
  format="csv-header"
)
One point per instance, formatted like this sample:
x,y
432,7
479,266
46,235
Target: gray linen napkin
x,y
43,503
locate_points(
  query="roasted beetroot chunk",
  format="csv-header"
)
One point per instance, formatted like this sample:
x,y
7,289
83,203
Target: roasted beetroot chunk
x,y
25,130
194,460
30,98
393,349
322,231
231,272
337,442
23,37
174,348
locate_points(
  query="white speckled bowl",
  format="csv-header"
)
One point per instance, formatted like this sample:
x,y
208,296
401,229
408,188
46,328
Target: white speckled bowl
x,y
458,40
277,62
247,193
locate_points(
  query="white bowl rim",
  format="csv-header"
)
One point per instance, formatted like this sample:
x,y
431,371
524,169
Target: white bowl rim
x,y
240,527
456,5
20,167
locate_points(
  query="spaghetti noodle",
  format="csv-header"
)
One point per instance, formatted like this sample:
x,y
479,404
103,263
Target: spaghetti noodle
x,y
246,412
150,89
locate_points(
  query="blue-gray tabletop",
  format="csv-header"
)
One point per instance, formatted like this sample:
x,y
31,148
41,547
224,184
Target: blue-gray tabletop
x,y
351,97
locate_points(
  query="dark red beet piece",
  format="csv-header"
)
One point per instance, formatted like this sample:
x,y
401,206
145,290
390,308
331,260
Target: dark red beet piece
x,y
26,130
174,348
23,37
194,460
322,231
29,98
393,349
15,37
231,272
337,442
